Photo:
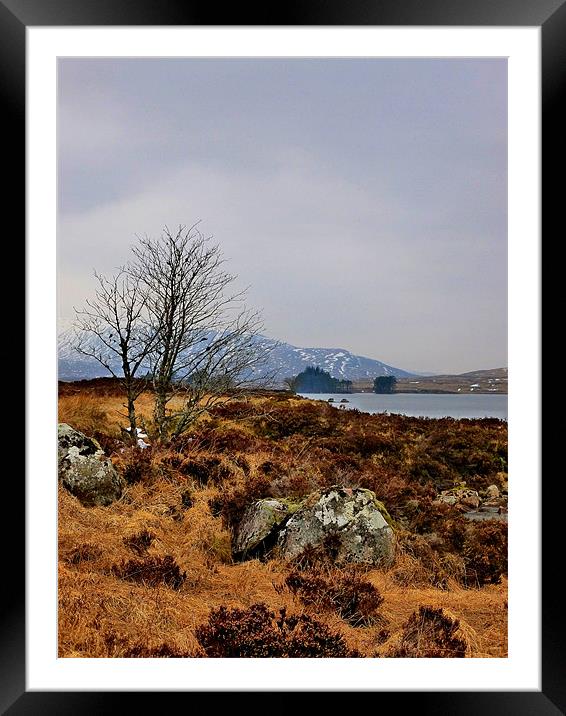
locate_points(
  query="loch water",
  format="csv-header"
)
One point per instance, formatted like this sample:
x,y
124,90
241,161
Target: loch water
x,y
428,405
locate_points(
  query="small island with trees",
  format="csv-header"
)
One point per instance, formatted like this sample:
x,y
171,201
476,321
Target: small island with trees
x,y
385,384
316,380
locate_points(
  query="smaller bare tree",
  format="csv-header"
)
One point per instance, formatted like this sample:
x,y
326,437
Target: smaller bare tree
x,y
111,329
207,345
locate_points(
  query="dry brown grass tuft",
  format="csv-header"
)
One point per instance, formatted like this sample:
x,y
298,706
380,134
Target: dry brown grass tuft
x,y
83,412
432,633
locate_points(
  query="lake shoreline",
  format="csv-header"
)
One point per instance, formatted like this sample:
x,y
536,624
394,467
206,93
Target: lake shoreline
x,y
416,405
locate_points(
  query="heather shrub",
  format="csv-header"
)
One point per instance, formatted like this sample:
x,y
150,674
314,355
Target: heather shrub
x,y
453,532
298,482
322,556
423,562
139,542
354,599
232,502
243,463
466,451
109,443
308,419
431,516
135,465
361,442
187,499
273,468
394,489
485,552
233,410
151,571
455,451
430,633
259,632
205,469
425,467
227,440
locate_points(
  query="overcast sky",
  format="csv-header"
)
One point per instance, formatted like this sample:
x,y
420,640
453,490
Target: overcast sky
x,y
363,201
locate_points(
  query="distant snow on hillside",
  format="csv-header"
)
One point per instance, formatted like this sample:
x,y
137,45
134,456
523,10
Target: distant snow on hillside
x,y
285,361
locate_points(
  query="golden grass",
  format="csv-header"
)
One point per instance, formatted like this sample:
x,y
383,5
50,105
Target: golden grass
x,y
101,614
87,412
94,603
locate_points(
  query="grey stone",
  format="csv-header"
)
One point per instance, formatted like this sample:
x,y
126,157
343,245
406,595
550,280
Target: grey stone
x,y
469,502
68,437
84,471
464,498
259,523
353,519
492,492
95,482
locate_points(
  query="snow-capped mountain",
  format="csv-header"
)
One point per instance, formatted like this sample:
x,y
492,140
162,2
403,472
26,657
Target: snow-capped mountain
x,y
290,360
284,361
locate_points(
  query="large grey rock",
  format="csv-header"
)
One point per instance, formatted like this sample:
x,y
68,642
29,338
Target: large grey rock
x,y
68,437
257,531
352,521
84,471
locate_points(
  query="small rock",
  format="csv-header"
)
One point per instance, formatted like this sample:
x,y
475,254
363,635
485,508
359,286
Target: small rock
x,y
496,502
448,499
492,492
471,502
463,498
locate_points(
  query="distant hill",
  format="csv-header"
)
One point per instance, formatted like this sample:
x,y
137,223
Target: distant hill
x,y
285,360
477,381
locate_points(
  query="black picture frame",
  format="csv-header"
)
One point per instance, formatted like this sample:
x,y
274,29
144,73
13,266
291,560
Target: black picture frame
x,y
550,16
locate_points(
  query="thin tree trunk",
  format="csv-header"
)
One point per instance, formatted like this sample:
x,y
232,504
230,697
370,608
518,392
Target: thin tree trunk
x,y
132,419
159,415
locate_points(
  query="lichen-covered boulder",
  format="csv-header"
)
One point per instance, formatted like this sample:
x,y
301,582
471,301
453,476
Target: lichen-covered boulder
x,y
258,528
84,471
68,437
95,482
350,521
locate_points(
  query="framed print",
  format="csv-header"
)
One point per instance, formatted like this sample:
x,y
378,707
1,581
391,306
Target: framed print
x,y
239,507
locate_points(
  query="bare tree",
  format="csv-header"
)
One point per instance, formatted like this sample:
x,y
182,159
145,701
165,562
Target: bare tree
x,y
112,330
206,346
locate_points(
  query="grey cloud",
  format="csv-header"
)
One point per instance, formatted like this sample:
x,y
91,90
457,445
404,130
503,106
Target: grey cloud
x,y
364,201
